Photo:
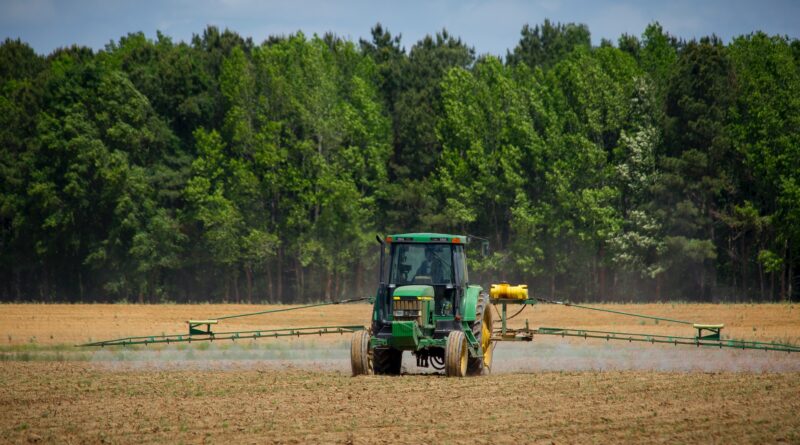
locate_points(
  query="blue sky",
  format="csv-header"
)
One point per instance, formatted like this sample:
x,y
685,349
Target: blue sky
x,y
489,26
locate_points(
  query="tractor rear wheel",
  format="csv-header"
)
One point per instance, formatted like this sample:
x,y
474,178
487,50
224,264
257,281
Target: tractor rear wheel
x,y
360,354
456,354
482,330
387,361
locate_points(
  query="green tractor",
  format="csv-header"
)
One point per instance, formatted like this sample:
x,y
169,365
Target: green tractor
x,y
426,306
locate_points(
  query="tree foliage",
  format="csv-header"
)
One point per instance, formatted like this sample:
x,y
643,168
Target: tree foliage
x,y
221,169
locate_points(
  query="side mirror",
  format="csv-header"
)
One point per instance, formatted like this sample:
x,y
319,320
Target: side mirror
x,y
485,248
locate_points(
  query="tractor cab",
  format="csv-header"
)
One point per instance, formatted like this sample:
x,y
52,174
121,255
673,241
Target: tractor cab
x,y
441,266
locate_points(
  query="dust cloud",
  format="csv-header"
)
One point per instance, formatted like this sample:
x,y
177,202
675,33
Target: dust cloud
x,y
578,355
541,355
287,354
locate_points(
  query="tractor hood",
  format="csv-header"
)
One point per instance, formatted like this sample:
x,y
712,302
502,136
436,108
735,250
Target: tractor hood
x,y
417,291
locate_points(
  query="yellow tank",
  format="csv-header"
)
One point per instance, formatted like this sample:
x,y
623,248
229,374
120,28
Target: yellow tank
x,y
507,291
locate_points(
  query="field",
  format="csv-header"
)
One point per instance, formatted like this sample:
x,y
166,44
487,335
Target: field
x,y
300,391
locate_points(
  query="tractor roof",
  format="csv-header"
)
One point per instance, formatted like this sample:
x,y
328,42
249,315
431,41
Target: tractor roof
x,y
427,238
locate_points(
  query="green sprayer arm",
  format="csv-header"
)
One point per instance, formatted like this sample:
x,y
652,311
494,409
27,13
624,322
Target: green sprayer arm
x,y
296,308
196,333
526,334
232,335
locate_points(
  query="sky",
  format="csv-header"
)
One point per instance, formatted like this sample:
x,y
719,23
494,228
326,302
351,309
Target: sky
x,y
489,26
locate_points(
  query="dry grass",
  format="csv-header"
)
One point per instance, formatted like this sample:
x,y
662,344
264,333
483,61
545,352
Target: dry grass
x,y
73,324
80,323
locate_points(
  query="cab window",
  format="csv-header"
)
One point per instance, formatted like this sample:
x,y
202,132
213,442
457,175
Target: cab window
x,y
430,264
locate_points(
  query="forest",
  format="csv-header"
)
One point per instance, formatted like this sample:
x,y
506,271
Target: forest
x,y
647,169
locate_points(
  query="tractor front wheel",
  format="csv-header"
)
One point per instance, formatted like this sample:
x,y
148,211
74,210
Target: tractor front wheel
x,y
456,355
387,361
360,354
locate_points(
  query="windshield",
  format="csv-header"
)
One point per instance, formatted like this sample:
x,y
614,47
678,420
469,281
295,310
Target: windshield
x,y
421,264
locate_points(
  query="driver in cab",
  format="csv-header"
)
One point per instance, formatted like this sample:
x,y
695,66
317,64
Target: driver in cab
x,y
431,267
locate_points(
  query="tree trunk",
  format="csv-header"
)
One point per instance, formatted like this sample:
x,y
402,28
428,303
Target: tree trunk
x,y
43,285
602,268
498,236
783,270
279,273
18,280
772,286
248,270
236,286
790,276
359,278
703,281
744,259
733,266
299,291
227,288
270,286
303,289
328,283
342,291
658,287
712,286
612,294
336,275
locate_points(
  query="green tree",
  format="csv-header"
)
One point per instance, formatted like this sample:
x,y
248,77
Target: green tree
x,y
764,120
697,161
545,45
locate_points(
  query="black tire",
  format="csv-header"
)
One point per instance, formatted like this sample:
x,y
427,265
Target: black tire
x,y
360,354
386,361
483,317
456,354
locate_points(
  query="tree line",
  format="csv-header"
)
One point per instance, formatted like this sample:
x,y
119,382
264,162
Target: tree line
x,y
650,168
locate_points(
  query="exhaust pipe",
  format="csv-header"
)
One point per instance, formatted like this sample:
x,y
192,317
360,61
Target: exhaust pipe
x,y
383,259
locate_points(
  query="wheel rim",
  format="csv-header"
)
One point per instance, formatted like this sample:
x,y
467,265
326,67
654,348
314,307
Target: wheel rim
x,y
464,356
486,338
369,360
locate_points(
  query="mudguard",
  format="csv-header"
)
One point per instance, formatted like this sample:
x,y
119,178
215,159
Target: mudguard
x,y
469,302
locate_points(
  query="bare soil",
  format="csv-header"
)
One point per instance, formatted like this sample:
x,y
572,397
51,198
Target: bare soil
x,y
81,403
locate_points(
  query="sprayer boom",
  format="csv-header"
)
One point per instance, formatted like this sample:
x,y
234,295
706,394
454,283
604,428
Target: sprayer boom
x,y
200,330
232,335
706,334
